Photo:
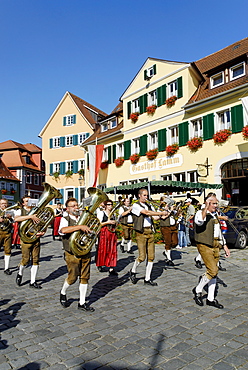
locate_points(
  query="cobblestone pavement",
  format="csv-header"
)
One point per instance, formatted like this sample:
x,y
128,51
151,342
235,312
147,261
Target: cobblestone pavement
x,y
133,327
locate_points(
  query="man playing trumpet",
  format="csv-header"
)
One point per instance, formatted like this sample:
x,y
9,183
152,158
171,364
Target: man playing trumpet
x,y
5,234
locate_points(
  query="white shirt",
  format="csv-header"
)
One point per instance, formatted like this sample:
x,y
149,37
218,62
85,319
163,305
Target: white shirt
x,y
129,216
217,228
65,223
136,210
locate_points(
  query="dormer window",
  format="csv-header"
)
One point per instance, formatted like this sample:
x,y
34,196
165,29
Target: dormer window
x,y
104,127
237,71
217,80
113,123
149,72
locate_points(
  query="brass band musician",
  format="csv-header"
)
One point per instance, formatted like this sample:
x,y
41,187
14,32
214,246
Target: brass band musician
x,y
5,234
126,220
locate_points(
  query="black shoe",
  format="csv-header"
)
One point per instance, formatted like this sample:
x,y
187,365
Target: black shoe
x,y
130,252
197,297
85,307
221,268
35,286
165,255
7,272
170,263
113,273
198,264
133,277
18,279
214,303
63,300
122,248
150,282
100,268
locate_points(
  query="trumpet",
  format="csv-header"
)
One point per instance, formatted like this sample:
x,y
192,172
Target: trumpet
x,y
112,228
4,225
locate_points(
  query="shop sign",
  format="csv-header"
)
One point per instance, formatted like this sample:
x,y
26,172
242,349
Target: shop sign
x,y
235,191
9,197
157,164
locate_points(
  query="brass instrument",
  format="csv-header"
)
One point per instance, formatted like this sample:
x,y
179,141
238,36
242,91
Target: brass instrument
x,y
110,227
28,229
80,241
4,225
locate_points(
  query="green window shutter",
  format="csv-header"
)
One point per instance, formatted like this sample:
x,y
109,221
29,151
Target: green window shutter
x,y
143,103
208,126
161,95
62,193
76,193
145,74
129,109
154,69
75,166
161,139
183,133
50,143
51,168
127,149
143,144
64,121
87,160
114,152
75,140
237,118
87,135
62,168
179,87
109,155
74,119
62,141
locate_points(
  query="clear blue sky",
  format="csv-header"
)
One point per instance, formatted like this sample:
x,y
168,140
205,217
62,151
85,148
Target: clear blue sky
x,y
94,48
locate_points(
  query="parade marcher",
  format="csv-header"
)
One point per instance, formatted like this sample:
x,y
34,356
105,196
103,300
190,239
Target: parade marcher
x,y
169,230
30,251
209,240
182,241
5,234
58,212
126,220
76,266
107,240
190,212
143,214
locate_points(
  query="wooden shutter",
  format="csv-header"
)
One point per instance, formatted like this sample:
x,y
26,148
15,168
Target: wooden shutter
x,y
208,126
62,193
161,95
75,166
183,133
145,74
76,193
109,155
237,118
161,139
50,143
143,144
51,168
74,119
143,103
129,109
154,69
64,121
62,168
179,87
114,152
75,140
62,141
127,149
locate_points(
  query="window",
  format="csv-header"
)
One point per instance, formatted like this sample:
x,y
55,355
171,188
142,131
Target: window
x,y
224,120
3,185
192,176
172,89
56,142
149,72
28,178
166,177
237,71
56,167
133,182
180,176
152,98
113,123
173,131
105,154
104,126
135,146
69,140
27,159
217,80
69,166
69,120
197,130
120,150
123,183
81,164
135,106
83,136
153,140
145,179
36,179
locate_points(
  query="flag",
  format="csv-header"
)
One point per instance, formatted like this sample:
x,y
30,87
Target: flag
x,y
95,160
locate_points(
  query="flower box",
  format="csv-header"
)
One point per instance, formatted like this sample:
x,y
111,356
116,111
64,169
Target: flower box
x,y
12,191
134,117
81,172
245,132
104,165
152,154
56,175
172,149
171,101
68,173
221,136
134,158
4,191
151,109
119,161
195,143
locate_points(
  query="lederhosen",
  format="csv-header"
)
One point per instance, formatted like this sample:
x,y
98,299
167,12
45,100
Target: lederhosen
x,y
127,227
169,232
76,266
5,239
29,250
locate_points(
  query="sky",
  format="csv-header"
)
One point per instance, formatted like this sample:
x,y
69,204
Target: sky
x,y
94,49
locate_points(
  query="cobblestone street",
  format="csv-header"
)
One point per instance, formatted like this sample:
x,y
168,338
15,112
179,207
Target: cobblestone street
x,y
134,327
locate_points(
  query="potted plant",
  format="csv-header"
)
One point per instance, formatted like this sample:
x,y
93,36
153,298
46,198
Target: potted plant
x,y
68,173
152,154
4,191
170,101
134,158
134,117
195,143
119,161
172,149
104,165
221,136
81,172
56,175
151,109
245,132
12,191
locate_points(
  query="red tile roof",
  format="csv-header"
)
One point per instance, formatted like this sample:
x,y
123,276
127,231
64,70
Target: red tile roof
x,y
5,172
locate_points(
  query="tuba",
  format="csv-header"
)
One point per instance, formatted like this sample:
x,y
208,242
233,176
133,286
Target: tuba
x,y
80,241
29,229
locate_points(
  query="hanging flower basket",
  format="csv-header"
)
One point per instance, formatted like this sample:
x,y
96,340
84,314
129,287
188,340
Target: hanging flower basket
x,y
195,143
134,117
12,191
81,172
104,165
56,175
171,101
172,149
221,136
68,173
245,132
4,191
119,161
151,110
152,154
134,158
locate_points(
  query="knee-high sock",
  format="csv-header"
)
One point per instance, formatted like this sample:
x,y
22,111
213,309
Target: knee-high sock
x,y
148,270
34,271
135,265
64,287
6,261
123,242
168,254
21,268
129,245
82,293
198,257
211,289
204,280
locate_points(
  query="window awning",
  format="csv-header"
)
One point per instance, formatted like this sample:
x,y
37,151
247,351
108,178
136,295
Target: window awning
x,y
155,187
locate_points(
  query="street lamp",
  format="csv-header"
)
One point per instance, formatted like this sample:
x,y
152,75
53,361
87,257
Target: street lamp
x,y
80,179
